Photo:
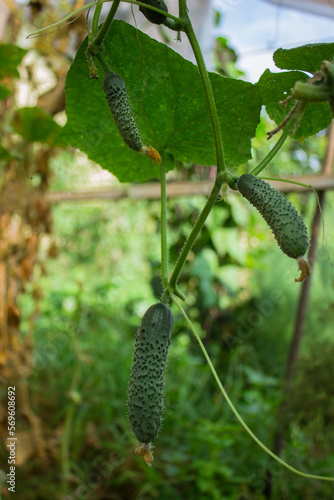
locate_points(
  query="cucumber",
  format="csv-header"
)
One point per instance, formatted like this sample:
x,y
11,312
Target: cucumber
x,y
145,403
151,15
287,225
117,97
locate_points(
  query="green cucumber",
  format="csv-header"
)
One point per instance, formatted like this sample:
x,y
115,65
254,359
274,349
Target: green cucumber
x,y
151,15
287,225
146,383
117,97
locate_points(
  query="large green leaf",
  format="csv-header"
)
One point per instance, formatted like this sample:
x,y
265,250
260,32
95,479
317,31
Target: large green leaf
x,y
167,98
276,87
10,58
306,58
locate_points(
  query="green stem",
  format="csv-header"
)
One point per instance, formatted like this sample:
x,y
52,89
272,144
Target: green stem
x,y
96,19
286,180
37,33
164,244
272,153
97,42
221,169
183,10
173,25
209,96
92,4
195,231
103,62
234,410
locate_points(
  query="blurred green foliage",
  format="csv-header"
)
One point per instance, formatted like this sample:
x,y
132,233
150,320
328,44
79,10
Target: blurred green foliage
x,y
240,295
97,274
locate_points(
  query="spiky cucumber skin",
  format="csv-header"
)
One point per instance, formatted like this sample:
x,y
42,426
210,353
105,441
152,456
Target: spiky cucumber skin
x,y
146,382
284,220
154,17
117,97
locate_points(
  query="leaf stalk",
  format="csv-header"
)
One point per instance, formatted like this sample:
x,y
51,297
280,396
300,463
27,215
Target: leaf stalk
x,y
195,231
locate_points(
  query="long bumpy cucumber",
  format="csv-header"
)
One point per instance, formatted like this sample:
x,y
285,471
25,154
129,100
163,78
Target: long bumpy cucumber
x,y
116,94
154,17
287,225
146,382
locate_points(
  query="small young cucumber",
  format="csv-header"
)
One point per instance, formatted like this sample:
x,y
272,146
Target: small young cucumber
x,y
116,94
146,383
151,15
287,225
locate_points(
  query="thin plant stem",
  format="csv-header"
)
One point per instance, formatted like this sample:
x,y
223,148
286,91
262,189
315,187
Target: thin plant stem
x,y
97,42
234,410
218,146
37,33
195,231
164,243
96,19
103,62
110,17
209,96
272,153
183,10
287,181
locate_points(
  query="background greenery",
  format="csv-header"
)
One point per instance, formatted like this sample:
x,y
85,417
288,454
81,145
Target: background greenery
x,y
240,294
98,272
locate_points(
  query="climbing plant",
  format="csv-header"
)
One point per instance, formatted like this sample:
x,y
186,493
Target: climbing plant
x,y
136,107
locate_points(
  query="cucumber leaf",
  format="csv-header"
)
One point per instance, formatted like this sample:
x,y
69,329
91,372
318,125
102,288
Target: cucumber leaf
x,y
305,58
168,102
276,87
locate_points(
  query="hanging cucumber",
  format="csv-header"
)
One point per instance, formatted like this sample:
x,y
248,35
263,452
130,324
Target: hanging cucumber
x,y
151,15
117,97
116,94
146,382
287,225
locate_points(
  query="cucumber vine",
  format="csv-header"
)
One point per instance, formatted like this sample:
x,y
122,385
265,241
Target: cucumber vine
x,y
319,88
